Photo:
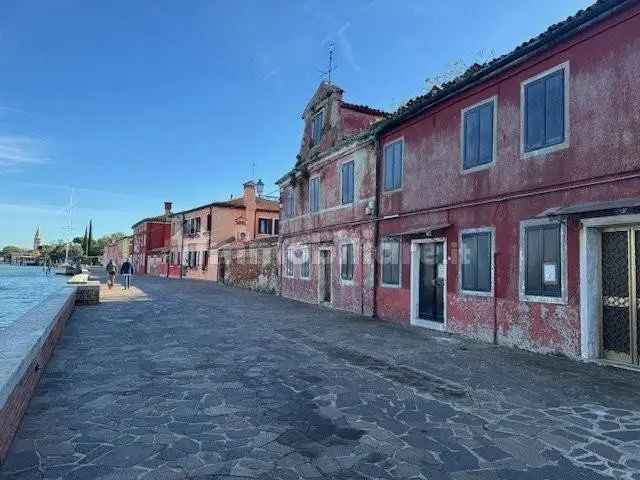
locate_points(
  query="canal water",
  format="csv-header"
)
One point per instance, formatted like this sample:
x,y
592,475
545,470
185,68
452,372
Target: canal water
x,y
21,288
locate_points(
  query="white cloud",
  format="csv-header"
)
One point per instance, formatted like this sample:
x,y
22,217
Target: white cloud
x,y
18,150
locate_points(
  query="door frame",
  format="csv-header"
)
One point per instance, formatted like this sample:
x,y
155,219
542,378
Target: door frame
x,y
322,261
591,280
630,230
415,284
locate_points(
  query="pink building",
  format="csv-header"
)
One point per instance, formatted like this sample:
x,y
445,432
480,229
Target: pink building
x,y
196,234
327,230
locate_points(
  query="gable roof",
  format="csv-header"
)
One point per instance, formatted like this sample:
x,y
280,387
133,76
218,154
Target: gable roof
x,y
477,73
364,109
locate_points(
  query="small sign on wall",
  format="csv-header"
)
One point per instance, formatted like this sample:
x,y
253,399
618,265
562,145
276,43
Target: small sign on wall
x,y
550,273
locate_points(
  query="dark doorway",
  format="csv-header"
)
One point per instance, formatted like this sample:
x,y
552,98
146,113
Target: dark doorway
x,y
324,278
431,282
620,270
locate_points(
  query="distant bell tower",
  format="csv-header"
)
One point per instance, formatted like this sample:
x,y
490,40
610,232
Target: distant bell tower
x,y
37,241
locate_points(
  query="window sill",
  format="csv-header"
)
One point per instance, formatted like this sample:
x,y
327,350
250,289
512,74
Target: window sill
x,y
474,293
347,283
478,168
543,299
545,150
390,192
390,285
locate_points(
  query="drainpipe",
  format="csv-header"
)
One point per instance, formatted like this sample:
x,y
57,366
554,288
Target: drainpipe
x,y
210,233
376,226
181,245
495,294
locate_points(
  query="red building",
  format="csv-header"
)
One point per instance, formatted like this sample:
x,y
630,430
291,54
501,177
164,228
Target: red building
x,y
508,199
327,225
151,240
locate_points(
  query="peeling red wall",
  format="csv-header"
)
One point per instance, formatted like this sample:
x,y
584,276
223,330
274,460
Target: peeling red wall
x,y
604,121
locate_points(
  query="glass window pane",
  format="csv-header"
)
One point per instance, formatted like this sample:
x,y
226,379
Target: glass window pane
x,y
535,115
554,121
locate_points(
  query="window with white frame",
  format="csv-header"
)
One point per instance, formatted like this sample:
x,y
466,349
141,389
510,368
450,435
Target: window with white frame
x,y
317,125
347,182
475,262
544,102
305,262
346,261
288,201
391,261
314,194
264,226
543,260
478,135
393,165
289,262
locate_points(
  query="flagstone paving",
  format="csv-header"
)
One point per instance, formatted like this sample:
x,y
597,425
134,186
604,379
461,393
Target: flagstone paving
x,y
188,379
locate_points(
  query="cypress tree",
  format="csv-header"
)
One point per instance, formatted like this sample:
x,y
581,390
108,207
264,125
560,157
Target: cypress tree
x,y
90,238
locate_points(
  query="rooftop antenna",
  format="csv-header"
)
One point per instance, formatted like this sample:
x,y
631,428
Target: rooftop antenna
x,y
331,67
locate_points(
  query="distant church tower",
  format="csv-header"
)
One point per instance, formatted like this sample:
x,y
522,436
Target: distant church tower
x,y
37,241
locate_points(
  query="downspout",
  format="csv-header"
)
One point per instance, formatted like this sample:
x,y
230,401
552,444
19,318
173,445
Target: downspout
x,y
181,245
362,277
210,233
376,226
495,294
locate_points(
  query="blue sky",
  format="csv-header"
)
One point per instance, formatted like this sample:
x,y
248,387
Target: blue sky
x,y
137,102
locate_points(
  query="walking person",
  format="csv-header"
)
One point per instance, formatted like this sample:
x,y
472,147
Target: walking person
x,y
126,270
111,274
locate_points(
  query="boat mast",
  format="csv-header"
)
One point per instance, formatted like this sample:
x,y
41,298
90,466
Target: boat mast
x,y
69,228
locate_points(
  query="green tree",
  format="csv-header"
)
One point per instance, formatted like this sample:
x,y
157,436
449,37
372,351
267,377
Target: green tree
x,y
90,239
101,242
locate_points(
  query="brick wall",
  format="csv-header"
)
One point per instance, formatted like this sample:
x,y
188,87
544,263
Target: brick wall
x,y
252,265
12,411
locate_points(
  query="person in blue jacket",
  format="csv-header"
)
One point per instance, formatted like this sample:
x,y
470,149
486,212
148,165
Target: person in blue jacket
x,y
126,270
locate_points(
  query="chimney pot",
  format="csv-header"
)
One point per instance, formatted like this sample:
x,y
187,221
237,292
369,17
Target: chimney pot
x,y
167,208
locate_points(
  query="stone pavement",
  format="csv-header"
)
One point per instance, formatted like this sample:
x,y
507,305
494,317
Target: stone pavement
x,y
188,379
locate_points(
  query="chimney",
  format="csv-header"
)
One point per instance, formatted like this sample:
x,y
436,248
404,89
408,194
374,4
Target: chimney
x,y
167,208
250,208
250,192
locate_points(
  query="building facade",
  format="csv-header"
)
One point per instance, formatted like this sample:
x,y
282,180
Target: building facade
x,y
327,227
195,235
516,214
150,241
118,251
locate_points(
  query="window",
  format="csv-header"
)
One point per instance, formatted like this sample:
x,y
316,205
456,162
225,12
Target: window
x,y
542,260
304,266
288,200
478,123
289,263
192,259
264,226
475,262
393,165
317,124
347,182
544,111
276,226
208,222
314,194
391,262
205,260
346,261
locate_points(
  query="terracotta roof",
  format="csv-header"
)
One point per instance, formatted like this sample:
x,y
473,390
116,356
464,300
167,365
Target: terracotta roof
x,y
480,72
261,204
364,109
159,218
